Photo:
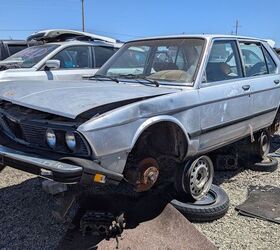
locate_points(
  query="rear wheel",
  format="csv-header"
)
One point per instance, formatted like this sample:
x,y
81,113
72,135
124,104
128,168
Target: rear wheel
x,y
194,179
268,164
261,147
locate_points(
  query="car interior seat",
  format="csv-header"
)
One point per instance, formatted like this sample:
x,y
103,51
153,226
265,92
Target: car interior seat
x,y
160,66
218,71
82,59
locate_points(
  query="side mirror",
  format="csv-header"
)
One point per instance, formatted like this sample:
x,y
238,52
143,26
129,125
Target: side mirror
x,y
52,64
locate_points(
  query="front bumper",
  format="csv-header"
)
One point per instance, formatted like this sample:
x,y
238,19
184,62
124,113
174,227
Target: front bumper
x,y
54,170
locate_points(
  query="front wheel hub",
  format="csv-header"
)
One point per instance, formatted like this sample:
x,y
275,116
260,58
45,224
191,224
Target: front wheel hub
x,y
144,175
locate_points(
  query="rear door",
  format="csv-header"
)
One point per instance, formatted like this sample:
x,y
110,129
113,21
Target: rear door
x,y
225,98
262,75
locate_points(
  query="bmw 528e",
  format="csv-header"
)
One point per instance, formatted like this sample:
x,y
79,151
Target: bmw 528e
x,y
151,114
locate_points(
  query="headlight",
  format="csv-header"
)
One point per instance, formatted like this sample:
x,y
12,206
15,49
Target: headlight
x,y
70,140
51,138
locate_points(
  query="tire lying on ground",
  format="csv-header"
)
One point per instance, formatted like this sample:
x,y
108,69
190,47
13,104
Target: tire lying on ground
x,y
269,164
212,207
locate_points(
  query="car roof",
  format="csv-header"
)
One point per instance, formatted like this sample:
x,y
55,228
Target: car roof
x,y
64,34
14,41
204,36
77,42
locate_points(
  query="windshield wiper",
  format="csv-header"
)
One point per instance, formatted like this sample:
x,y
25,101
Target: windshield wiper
x,y
138,78
103,78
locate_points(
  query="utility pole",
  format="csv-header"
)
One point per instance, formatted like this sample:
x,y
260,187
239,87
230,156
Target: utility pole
x,y
83,15
237,26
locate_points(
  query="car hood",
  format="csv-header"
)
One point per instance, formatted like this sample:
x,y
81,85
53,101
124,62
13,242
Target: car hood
x,y
4,65
71,98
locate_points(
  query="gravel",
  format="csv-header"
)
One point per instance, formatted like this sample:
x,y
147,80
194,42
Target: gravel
x,y
26,220
238,232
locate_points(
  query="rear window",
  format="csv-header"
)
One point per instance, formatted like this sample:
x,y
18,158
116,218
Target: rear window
x,y
14,48
272,68
253,58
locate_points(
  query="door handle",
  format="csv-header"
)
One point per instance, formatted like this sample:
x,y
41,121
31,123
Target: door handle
x,y
246,87
277,81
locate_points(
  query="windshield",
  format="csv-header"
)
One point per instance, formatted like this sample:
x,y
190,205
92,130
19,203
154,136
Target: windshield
x,y
167,60
28,57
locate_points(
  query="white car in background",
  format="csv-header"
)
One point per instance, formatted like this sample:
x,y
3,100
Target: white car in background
x,y
63,55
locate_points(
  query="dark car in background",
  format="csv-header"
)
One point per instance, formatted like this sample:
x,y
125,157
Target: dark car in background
x,y
10,47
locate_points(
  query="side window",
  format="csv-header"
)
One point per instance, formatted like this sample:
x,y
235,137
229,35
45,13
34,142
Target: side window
x,y
253,59
224,62
102,54
76,57
272,68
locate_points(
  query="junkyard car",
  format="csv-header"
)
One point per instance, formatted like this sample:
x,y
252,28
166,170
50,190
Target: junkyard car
x,y
64,55
150,115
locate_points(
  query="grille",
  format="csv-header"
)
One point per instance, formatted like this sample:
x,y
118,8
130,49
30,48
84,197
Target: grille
x,y
34,136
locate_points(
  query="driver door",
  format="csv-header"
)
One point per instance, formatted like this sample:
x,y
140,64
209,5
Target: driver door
x,y
225,98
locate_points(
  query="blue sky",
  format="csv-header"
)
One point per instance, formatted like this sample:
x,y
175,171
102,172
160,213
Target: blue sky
x,y
128,19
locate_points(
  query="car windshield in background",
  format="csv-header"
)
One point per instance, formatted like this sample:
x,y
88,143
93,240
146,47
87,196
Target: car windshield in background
x,y
168,60
28,57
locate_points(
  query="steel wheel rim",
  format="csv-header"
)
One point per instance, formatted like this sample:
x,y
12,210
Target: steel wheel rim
x,y
200,177
264,145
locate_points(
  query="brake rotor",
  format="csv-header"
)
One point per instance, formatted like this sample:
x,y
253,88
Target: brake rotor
x,y
145,175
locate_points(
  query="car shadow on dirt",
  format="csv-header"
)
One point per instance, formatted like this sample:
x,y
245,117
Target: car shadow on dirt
x,y
275,143
136,210
26,220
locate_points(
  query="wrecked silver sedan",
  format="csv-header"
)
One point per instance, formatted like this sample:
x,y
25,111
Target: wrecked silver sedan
x,y
149,116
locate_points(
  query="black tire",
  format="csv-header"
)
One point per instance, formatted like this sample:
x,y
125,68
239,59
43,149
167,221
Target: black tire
x,y
214,206
269,164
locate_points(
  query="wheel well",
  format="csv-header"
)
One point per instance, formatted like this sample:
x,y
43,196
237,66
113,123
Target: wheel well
x,y
163,138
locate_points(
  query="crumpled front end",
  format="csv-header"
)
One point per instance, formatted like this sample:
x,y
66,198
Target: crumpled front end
x,y
48,146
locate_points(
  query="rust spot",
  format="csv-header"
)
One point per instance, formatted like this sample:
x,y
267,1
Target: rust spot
x,y
145,175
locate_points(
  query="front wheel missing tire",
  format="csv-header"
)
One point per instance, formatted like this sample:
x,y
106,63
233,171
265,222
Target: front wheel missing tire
x,y
194,179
